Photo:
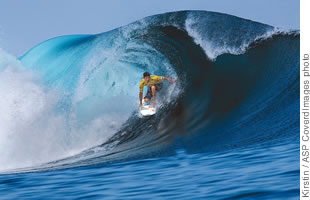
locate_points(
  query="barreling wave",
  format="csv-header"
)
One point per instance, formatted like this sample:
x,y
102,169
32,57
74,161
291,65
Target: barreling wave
x,y
238,85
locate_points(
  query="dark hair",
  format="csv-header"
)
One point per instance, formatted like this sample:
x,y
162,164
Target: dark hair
x,y
146,74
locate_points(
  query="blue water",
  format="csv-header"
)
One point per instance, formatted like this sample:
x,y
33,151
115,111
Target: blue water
x,y
251,173
228,129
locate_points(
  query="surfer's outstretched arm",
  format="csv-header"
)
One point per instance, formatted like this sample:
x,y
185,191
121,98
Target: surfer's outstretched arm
x,y
170,80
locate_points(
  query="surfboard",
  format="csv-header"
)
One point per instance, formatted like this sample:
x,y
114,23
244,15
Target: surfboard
x,y
146,111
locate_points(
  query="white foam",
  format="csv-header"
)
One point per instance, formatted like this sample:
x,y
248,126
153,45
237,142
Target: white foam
x,y
33,130
214,49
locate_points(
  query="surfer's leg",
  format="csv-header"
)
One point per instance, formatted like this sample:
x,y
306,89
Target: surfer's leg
x,y
153,95
154,91
148,95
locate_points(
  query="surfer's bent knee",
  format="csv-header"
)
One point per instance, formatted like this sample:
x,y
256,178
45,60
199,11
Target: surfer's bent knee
x,y
153,90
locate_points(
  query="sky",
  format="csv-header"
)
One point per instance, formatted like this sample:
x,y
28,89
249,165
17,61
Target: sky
x,y
23,24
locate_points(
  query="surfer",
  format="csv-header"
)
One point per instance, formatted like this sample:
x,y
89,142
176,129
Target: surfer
x,y
155,84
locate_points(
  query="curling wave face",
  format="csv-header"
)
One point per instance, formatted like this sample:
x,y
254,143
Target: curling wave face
x,y
238,85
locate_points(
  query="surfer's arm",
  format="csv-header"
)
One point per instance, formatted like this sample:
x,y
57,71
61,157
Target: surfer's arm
x,y
170,80
140,97
141,86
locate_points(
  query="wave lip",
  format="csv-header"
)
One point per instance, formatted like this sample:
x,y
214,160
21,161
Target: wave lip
x,y
221,34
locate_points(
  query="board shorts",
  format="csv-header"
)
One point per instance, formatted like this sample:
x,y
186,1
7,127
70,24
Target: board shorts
x,y
149,91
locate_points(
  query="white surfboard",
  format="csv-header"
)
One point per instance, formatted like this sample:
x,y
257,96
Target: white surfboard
x,y
146,111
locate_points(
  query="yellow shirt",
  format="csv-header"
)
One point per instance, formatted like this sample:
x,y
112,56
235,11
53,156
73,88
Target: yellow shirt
x,y
153,80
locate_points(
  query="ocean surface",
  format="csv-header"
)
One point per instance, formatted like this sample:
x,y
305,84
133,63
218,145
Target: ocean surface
x,y
227,129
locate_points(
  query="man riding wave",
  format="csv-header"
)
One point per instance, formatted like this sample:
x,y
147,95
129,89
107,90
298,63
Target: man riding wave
x,y
155,84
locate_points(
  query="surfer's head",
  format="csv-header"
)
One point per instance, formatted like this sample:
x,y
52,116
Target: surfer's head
x,y
146,76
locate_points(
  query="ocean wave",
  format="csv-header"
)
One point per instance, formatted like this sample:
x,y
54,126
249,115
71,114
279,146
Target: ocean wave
x,y
237,86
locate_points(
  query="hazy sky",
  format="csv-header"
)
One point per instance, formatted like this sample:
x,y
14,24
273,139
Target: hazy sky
x,y
24,24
